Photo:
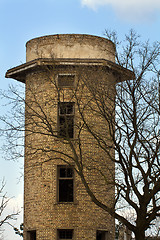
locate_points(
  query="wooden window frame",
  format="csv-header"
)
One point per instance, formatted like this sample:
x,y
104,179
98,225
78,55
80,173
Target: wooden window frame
x,y
66,237
67,75
62,178
66,130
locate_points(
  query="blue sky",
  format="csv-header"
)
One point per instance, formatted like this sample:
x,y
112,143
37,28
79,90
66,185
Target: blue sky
x,y
22,20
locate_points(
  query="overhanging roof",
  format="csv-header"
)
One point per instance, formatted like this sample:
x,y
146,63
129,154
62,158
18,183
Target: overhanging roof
x,y
19,73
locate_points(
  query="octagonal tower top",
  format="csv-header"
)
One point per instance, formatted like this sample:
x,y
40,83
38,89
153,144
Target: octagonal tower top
x,y
69,49
73,46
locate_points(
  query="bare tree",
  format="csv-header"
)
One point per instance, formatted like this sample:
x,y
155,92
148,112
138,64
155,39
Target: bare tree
x,y
133,126
5,218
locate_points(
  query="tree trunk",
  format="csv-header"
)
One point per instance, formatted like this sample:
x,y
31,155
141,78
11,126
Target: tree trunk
x,y
140,235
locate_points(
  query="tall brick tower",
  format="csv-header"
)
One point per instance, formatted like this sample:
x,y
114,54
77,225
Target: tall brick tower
x,y
59,74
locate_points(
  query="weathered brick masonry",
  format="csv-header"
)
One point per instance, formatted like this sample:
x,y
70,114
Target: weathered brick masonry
x,y
88,60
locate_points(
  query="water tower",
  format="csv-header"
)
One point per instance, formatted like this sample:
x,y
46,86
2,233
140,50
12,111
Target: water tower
x,y
59,73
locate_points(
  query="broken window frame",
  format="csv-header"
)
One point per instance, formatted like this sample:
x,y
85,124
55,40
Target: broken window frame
x,y
66,80
31,235
102,235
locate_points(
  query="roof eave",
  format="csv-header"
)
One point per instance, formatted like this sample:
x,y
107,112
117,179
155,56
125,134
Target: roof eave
x,y
19,73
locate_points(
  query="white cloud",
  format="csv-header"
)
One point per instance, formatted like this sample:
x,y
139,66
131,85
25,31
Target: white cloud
x,y
127,9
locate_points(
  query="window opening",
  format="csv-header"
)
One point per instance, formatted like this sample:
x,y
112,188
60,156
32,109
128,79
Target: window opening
x,y
66,119
101,235
65,234
65,184
31,235
66,80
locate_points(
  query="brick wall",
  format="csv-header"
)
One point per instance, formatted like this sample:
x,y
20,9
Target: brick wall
x,y
42,212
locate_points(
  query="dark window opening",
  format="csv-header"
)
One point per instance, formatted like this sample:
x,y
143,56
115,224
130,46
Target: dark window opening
x,y
66,80
31,235
65,184
65,234
101,235
66,119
